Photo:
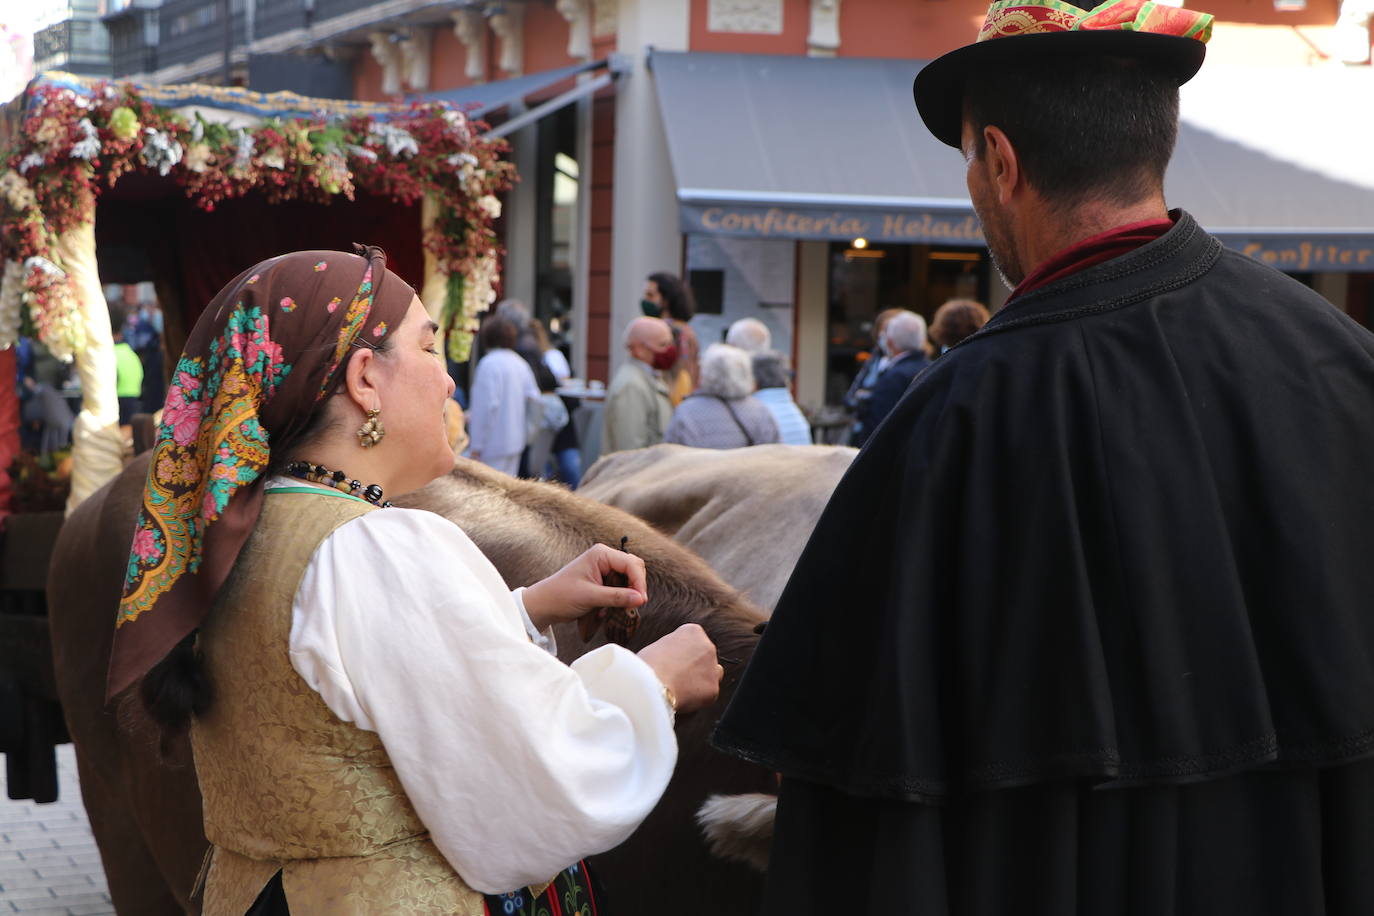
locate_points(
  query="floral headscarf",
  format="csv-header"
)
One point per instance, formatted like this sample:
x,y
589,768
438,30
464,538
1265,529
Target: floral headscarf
x,y
266,351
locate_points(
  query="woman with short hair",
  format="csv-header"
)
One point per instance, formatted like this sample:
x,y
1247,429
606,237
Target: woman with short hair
x,y
723,412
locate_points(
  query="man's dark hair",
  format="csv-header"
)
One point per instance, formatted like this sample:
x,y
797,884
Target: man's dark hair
x,y
499,333
677,298
1083,128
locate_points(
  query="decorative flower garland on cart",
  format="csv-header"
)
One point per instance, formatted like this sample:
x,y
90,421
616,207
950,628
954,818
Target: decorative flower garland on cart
x,y
78,138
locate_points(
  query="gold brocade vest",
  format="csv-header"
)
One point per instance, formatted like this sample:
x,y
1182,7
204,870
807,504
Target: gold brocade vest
x,y
288,785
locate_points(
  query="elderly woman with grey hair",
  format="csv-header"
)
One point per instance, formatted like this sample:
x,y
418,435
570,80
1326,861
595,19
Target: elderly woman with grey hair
x,y
770,375
723,412
904,341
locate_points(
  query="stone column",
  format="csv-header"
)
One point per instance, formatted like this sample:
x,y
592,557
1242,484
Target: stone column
x,y
645,237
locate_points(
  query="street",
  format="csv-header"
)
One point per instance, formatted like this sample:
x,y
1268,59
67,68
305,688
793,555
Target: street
x,y
49,865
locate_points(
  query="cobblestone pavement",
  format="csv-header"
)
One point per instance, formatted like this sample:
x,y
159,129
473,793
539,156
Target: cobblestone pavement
x,y
49,865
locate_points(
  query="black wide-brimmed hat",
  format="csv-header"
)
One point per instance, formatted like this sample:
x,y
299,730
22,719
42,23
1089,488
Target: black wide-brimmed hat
x,y
1169,38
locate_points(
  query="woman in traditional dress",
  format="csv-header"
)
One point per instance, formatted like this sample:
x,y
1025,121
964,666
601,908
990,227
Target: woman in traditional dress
x,y
379,725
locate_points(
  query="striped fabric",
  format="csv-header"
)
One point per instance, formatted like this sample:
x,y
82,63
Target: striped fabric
x,y
793,427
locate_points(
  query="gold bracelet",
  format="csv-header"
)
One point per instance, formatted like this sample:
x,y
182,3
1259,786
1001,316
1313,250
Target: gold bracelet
x,y
670,700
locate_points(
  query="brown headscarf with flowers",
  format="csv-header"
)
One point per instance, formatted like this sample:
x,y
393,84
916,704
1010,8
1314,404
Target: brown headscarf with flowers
x,y
266,352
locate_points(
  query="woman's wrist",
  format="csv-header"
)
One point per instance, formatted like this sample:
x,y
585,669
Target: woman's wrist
x,y
535,606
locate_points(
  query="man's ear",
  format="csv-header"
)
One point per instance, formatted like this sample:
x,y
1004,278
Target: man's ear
x,y
1004,166
360,379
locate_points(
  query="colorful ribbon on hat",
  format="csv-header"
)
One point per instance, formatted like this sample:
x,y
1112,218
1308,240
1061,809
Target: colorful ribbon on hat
x,y
1009,18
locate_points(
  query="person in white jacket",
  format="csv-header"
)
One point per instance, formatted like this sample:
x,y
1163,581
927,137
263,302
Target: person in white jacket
x,y
502,388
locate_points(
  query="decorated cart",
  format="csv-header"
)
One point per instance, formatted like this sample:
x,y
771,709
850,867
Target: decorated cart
x,y
185,186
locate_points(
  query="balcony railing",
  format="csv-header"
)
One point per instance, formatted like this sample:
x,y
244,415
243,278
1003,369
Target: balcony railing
x,y
191,29
272,17
328,9
133,40
78,45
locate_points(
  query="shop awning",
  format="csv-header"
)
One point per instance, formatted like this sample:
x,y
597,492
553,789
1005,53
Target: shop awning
x,y
500,93
768,146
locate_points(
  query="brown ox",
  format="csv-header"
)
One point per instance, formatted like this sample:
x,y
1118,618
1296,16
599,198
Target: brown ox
x,y
146,814
747,512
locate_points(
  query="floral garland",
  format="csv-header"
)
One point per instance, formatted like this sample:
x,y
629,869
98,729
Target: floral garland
x,y
72,145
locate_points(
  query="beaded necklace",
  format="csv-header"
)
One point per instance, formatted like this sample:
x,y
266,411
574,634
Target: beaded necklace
x,y
318,473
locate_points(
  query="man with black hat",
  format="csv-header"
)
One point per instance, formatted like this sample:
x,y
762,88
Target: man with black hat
x,y
1088,627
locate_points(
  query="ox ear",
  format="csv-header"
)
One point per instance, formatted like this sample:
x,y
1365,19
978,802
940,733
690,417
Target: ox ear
x,y
759,628
739,827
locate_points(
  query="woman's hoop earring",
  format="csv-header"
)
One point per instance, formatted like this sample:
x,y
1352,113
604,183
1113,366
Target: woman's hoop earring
x,y
372,431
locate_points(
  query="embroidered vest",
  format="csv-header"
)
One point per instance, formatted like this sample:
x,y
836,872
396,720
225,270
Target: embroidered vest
x,y
286,784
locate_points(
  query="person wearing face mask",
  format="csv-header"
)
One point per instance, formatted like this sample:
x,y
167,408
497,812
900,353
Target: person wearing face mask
x,y
667,297
637,404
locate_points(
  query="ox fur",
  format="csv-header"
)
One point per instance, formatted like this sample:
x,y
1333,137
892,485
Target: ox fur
x,y
145,810
739,827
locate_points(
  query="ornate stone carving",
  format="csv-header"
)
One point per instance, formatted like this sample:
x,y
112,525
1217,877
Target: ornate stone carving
x,y
824,39
415,55
605,16
471,28
387,53
579,16
762,17
508,23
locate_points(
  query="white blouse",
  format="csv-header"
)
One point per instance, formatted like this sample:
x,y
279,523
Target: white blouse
x,y
517,763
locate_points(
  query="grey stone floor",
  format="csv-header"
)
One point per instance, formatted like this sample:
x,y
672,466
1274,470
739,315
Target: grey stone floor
x,y
49,865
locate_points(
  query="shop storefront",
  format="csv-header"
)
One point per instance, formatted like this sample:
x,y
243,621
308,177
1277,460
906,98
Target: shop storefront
x,y
811,197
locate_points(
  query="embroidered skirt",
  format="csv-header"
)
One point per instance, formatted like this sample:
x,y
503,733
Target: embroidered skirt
x,y
571,894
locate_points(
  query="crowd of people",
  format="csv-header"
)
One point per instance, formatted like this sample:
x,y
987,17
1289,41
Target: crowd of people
x,y
734,394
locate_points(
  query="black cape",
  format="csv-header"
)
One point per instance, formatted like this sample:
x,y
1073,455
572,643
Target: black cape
x,y
1123,537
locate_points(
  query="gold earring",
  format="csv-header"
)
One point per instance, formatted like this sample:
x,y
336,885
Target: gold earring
x,y
372,431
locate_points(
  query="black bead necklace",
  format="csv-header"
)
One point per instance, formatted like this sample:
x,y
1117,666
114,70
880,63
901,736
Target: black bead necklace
x,y
318,473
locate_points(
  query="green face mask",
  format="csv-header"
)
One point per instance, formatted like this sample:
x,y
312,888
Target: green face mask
x,y
651,309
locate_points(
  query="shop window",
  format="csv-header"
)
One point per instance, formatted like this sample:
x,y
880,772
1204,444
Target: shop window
x,y
708,289
558,185
868,278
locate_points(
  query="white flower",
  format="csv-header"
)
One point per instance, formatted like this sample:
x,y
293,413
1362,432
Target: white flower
x,y
198,157
43,265
490,205
16,191
11,295
88,147
458,159
244,153
197,130
32,160
274,159
362,152
160,151
399,143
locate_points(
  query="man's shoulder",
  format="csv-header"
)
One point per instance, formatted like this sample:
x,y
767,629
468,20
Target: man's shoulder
x,y
629,377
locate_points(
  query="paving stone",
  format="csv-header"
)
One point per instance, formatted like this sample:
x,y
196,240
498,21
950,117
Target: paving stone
x,y
49,862
91,909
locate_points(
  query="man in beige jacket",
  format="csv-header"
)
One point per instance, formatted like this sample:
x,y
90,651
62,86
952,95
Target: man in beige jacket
x,y
637,404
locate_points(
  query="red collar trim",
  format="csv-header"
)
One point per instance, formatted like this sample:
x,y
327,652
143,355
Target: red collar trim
x,y
1102,247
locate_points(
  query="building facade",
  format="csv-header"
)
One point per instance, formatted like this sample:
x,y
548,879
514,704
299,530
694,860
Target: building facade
x,y
768,150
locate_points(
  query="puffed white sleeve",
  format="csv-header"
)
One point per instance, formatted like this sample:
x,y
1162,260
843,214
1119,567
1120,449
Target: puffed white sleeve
x,y
518,764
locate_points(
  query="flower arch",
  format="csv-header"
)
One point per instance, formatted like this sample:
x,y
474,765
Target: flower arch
x,y
70,138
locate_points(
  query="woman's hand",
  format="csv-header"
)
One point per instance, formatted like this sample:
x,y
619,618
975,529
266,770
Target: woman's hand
x,y
685,661
576,588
